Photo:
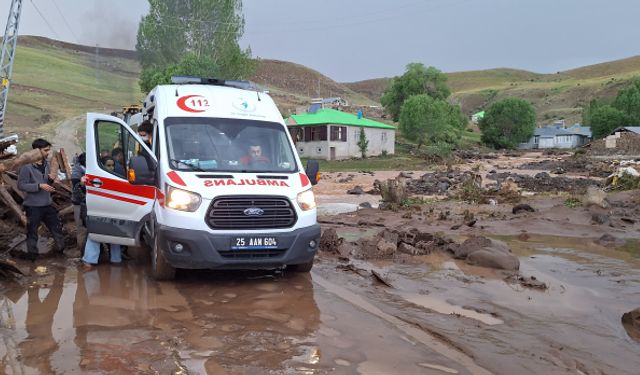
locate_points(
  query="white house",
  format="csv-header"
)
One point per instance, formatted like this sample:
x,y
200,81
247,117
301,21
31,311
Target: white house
x,y
333,135
556,137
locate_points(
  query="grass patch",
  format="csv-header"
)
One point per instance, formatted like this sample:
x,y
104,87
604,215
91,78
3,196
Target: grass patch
x,y
632,247
389,163
572,202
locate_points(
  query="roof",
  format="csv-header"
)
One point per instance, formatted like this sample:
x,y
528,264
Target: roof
x,y
479,114
332,116
551,131
633,129
584,130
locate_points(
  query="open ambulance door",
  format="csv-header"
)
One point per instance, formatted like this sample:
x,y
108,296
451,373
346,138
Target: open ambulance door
x,y
116,208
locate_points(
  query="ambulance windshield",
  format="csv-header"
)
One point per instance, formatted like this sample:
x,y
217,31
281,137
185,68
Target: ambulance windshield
x,y
228,145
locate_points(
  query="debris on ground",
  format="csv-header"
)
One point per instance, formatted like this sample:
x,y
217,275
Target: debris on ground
x,y
543,182
9,268
574,164
394,194
522,208
382,279
625,178
527,282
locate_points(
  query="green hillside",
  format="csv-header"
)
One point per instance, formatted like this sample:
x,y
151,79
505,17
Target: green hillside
x,y
54,81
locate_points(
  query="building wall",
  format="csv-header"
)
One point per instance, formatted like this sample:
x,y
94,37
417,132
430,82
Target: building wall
x,y
559,141
379,140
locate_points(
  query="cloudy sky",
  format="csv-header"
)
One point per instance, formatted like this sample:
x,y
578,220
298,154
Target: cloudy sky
x,y
351,40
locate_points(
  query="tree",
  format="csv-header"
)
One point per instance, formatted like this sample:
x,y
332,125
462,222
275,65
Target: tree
x,y
192,37
424,119
507,123
416,80
363,143
605,119
628,101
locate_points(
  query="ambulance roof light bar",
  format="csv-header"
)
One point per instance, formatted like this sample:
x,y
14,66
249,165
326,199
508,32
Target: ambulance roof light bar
x,y
243,85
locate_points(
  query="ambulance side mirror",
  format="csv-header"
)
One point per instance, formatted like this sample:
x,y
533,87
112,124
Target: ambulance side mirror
x,y
313,171
142,171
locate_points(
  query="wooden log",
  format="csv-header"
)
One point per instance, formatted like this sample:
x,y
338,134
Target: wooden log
x,y
66,165
8,200
66,211
13,183
25,158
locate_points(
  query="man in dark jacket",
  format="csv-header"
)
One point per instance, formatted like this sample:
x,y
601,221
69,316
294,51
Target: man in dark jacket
x,y
34,179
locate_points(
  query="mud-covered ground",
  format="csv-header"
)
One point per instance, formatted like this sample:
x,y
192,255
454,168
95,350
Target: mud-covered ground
x,y
570,308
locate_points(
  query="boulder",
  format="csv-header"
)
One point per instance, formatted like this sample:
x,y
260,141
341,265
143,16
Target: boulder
x,y
596,197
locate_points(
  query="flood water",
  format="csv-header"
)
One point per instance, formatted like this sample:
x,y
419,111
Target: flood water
x,y
438,317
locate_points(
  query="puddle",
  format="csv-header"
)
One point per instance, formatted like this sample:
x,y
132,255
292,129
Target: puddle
x,y
443,307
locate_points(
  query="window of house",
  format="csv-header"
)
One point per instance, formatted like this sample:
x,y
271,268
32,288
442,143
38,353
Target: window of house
x,y
383,137
315,133
339,133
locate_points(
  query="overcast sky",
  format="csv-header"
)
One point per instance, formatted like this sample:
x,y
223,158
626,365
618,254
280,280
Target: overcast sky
x,y
350,40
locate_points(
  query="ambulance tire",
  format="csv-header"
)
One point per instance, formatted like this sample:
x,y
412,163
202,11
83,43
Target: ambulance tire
x,y
303,267
160,268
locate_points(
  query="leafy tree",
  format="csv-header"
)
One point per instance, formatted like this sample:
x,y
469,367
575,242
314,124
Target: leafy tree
x,y
192,37
588,111
628,101
363,143
416,80
605,119
424,119
507,123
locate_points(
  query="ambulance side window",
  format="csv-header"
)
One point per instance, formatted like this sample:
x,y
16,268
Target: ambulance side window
x,y
156,141
109,142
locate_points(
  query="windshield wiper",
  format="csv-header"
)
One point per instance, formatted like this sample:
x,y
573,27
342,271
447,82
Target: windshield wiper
x,y
191,166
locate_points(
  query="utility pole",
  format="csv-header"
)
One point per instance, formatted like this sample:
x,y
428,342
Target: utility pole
x,y
6,60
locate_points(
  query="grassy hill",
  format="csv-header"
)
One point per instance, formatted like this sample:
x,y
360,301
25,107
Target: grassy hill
x,y
53,81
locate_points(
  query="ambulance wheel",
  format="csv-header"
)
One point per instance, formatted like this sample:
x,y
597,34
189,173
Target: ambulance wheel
x,y
303,267
160,268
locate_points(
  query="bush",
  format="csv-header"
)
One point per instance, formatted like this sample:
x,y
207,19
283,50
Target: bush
x,y
508,123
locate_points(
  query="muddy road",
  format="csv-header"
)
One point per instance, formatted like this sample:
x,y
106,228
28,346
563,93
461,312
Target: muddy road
x,y
570,307
116,320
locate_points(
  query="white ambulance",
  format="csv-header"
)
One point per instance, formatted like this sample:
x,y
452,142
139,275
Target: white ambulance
x,y
218,186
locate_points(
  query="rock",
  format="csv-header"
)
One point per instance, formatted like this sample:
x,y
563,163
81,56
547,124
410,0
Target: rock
x,y
470,245
405,175
542,176
494,259
631,323
599,219
522,208
365,205
408,249
597,197
471,223
493,171
443,186
485,252
356,191
329,241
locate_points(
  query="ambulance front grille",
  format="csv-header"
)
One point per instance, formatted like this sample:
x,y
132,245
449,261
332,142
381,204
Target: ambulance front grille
x,y
231,212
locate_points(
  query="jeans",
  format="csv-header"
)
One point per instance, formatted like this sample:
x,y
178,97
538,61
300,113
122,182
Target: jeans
x,y
92,252
49,216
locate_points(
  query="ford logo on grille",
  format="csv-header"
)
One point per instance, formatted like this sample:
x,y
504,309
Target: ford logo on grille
x,y
254,211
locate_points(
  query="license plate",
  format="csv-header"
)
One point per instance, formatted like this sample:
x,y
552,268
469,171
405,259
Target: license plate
x,y
253,243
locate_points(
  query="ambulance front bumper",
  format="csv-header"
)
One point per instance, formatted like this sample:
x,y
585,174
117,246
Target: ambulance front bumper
x,y
195,249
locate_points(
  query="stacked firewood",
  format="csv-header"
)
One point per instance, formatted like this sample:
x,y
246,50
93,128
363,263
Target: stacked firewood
x,y
12,217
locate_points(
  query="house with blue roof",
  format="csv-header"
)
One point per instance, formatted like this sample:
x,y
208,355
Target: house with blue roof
x,y
556,136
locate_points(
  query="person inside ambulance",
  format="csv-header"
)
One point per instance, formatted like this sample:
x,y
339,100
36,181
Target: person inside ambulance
x,y
145,131
254,156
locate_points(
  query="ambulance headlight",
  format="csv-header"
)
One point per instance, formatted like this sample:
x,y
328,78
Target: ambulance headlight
x,y
182,200
306,200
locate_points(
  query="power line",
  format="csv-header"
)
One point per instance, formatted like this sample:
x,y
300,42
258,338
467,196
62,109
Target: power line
x,y
65,21
44,19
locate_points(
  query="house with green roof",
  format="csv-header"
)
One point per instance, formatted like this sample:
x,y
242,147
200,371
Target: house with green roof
x,y
333,135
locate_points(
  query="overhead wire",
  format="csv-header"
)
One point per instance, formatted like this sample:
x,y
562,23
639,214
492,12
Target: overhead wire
x,y
65,21
44,19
